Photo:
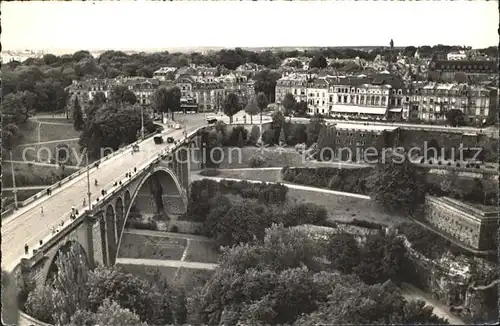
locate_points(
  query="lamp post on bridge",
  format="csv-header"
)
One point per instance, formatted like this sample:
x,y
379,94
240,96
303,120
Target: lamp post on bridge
x,y
88,178
142,122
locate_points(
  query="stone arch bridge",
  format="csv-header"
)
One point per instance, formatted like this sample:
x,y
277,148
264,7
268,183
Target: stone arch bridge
x,y
161,186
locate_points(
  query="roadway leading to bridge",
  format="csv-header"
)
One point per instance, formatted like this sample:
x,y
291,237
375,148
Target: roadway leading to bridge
x,y
29,225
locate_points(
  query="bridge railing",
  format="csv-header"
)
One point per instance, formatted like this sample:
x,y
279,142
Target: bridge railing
x,y
110,189
11,207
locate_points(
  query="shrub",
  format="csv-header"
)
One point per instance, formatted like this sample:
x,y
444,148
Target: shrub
x,y
238,135
348,180
210,172
142,225
367,224
268,137
174,229
306,213
254,135
256,161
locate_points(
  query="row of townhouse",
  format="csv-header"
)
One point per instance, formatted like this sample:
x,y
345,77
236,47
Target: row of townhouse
x,y
85,90
362,96
209,94
388,96
200,92
431,102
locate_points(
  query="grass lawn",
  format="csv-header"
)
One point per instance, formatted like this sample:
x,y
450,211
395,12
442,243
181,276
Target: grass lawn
x,y
261,175
149,247
150,273
240,158
50,132
202,252
46,152
33,175
191,278
56,120
345,208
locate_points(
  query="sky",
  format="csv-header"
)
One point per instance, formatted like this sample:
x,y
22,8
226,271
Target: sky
x,y
140,25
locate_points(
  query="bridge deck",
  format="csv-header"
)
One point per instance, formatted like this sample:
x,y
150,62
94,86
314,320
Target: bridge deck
x,y
29,225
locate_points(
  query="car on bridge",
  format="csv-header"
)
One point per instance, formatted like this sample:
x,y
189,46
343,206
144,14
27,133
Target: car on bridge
x,y
158,140
211,119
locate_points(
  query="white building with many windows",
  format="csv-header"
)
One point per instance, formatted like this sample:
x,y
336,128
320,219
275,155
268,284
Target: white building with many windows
x,y
318,101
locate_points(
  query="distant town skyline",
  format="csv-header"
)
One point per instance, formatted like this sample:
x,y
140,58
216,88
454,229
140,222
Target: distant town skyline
x,y
62,27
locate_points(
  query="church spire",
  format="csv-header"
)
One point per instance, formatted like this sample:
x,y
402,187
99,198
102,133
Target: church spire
x,y
390,55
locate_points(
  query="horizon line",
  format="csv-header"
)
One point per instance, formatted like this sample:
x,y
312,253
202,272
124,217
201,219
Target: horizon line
x,y
208,47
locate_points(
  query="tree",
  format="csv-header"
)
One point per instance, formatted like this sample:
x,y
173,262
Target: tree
x,y
282,139
314,127
10,136
160,100
365,304
174,100
167,100
265,82
151,302
301,110
78,122
455,118
98,99
397,187
277,125
252,108
241,141
109,314
261,103
231,106
40,304
13,109
318,62
111,126
343,252
289,103
254,135
121,94
70,291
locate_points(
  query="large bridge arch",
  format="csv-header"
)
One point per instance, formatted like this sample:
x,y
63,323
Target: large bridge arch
x,y
52,268
170,186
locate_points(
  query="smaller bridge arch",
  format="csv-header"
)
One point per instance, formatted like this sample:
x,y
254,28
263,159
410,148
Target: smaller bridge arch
x,y
170,186
110,220
120,216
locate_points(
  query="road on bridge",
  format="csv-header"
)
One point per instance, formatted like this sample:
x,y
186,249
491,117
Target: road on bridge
x,y
28,224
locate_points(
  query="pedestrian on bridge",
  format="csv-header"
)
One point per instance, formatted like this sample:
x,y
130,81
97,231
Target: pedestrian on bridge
x,y
41,209
84,202
26,248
